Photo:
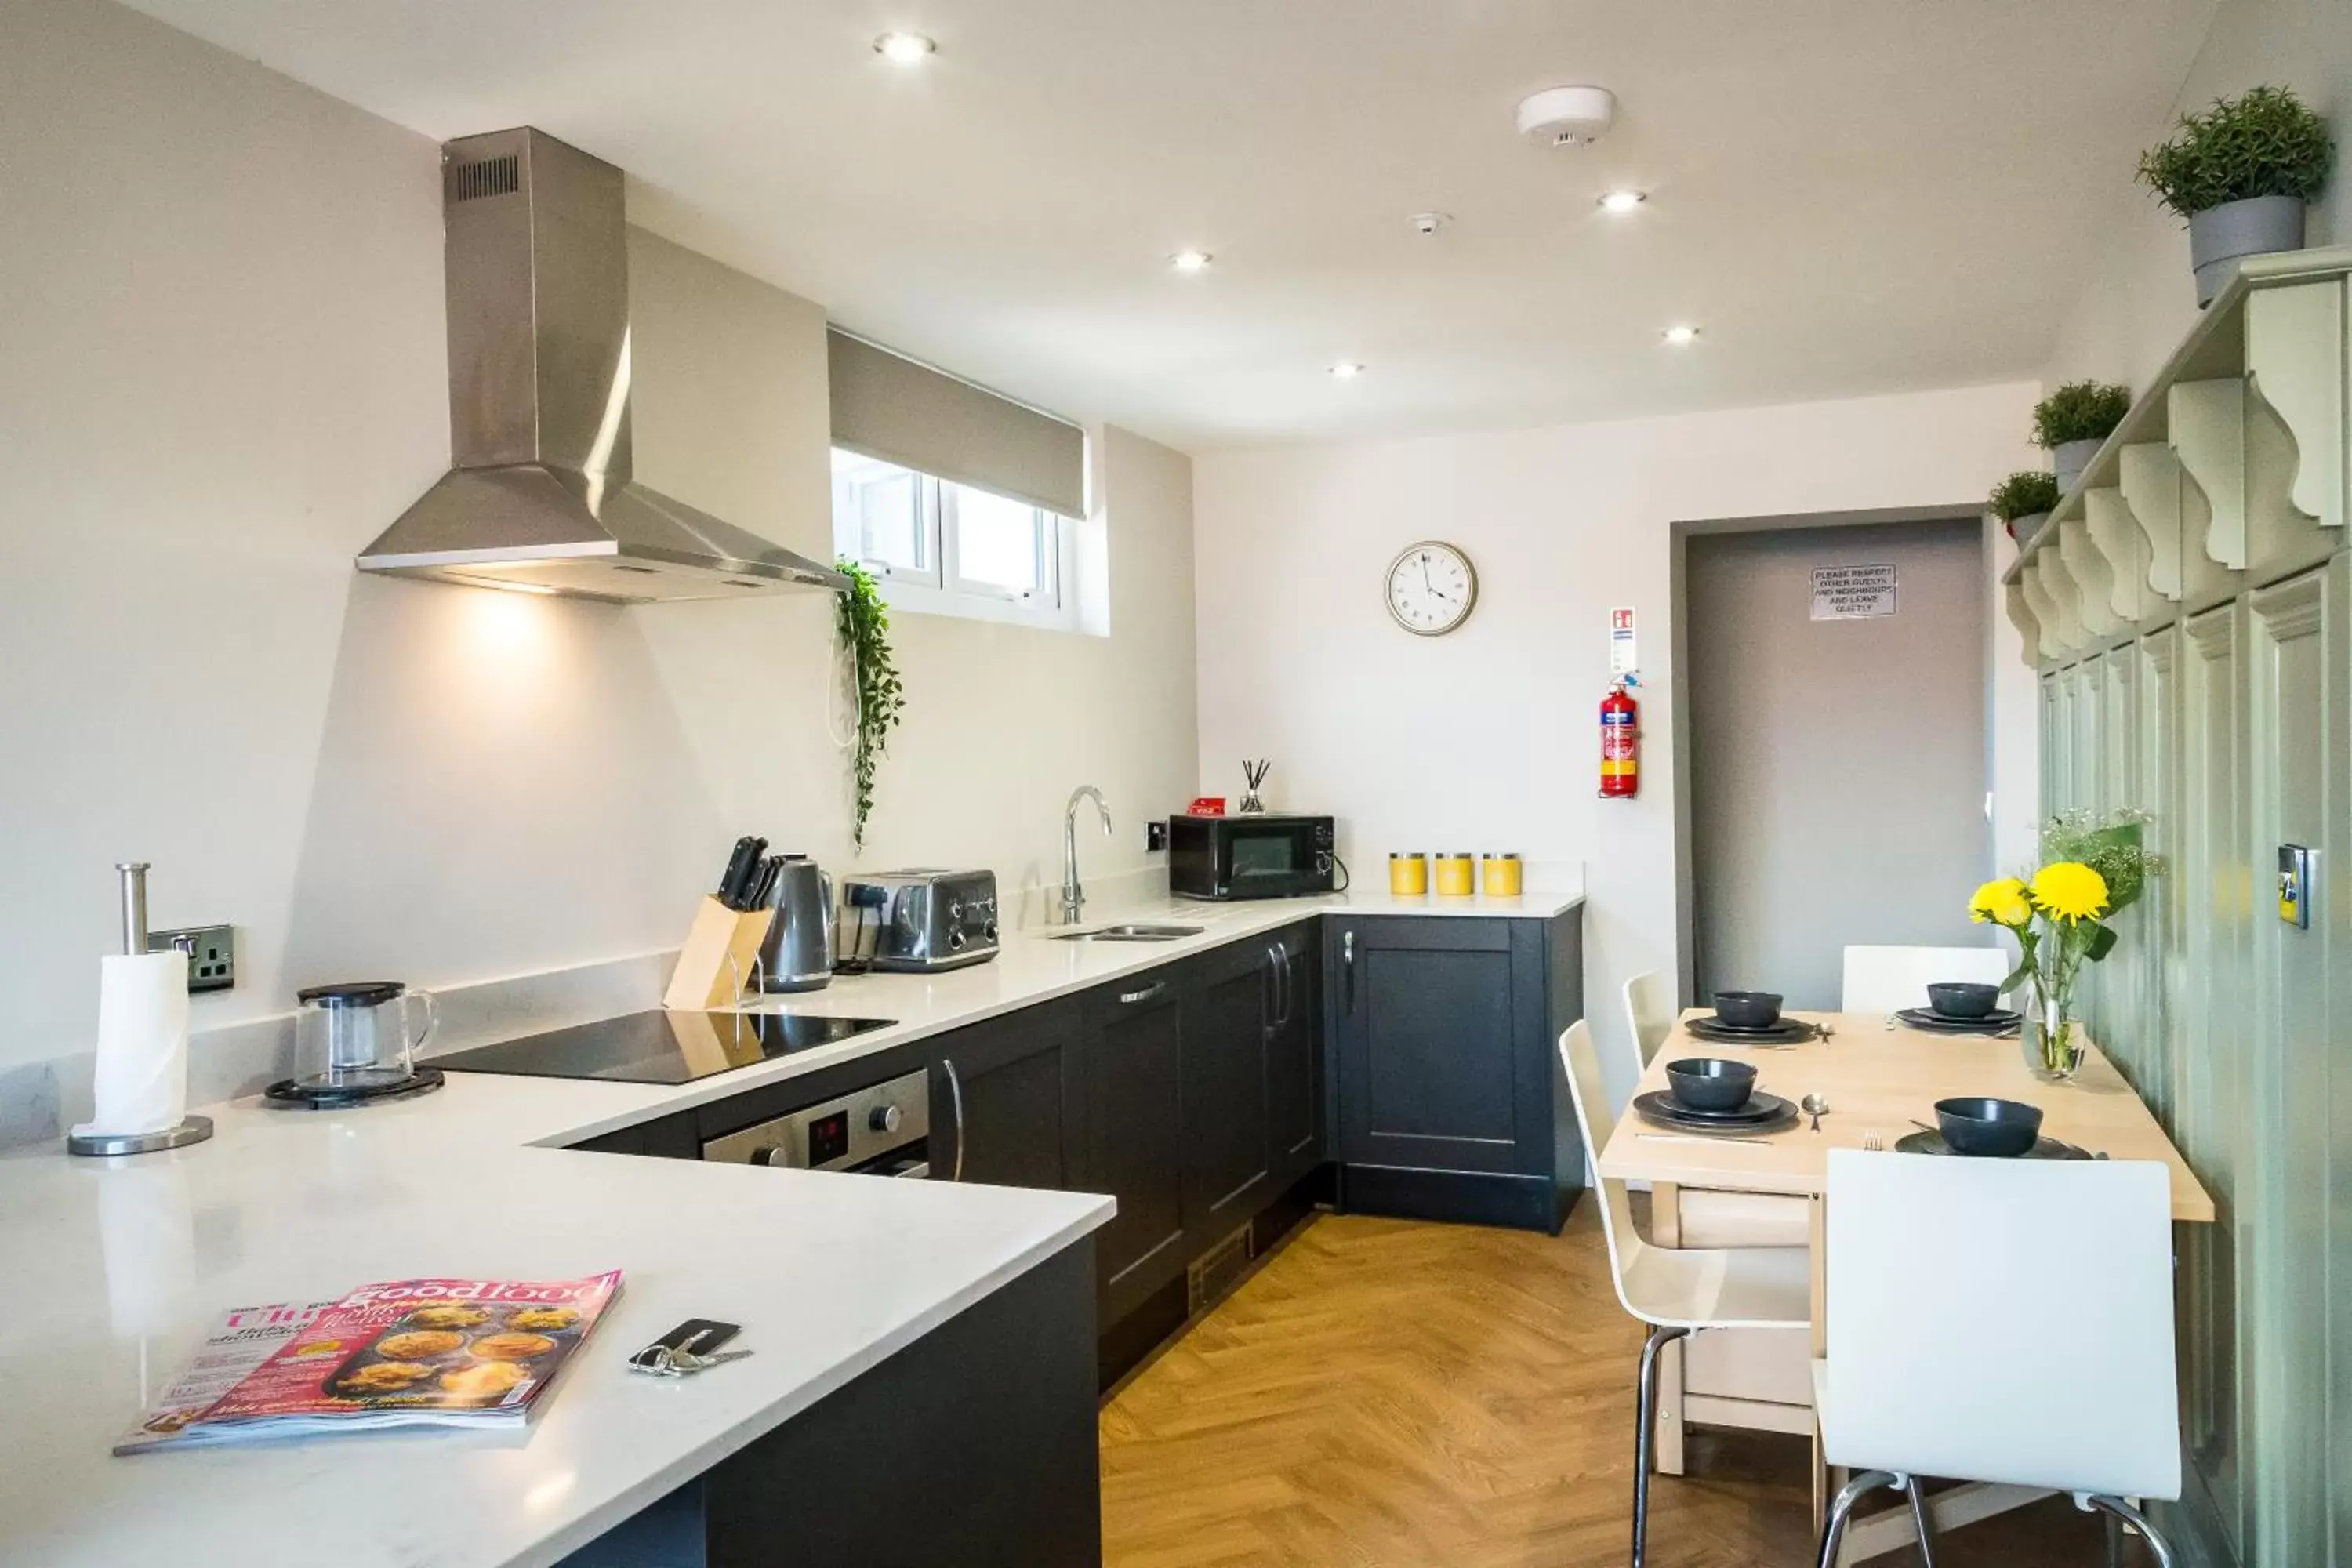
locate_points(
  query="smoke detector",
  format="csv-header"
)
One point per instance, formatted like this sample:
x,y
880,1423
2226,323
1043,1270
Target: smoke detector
x,y
1568,116
1430,223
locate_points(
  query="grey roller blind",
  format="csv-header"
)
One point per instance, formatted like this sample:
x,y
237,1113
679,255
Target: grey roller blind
x,y
886,406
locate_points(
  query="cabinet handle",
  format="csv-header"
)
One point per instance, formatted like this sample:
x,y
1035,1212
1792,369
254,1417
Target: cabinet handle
x,y
1146,994
1270,989
955,1104
1282,981
1348,969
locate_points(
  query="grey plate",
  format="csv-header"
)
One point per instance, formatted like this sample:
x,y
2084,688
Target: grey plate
x,y
1924,1142
1658,1109
1789,1032
1928,1022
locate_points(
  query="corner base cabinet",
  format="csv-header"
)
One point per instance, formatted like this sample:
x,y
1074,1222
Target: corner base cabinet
x,y
1447,1096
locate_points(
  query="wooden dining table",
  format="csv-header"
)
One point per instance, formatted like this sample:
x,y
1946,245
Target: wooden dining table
x,y
1879,1079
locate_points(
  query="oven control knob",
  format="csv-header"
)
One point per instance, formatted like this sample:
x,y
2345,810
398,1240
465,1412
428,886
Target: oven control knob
x,y
955,940
990,930
884,1119
768,1156
1322,862
955,908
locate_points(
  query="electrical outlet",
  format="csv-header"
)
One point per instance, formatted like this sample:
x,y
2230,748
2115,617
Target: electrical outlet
x,y
211,954
1155,835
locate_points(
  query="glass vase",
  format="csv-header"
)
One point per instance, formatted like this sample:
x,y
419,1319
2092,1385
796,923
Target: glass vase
x,y
2051,1039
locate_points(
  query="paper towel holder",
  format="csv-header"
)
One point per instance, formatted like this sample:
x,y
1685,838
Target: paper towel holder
x,y
191,1129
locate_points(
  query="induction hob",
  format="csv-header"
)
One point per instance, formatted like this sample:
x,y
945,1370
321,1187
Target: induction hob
x,y
659,1046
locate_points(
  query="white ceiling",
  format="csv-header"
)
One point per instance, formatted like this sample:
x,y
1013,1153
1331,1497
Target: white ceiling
x,y
1849,195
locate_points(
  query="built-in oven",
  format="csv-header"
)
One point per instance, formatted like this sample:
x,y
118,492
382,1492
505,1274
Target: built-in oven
x,y
881,1130
1256,855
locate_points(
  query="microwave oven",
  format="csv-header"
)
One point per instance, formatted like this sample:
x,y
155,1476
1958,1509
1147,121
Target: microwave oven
x,y
1254,855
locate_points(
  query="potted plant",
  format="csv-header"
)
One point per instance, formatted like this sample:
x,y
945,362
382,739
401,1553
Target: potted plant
x,y
2092,869
2241,172
2024,500
2071,421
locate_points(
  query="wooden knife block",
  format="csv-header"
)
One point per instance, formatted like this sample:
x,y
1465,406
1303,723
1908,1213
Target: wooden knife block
x,y
718,959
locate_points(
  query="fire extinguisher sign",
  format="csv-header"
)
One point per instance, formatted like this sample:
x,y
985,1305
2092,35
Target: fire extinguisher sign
x,y
1621,641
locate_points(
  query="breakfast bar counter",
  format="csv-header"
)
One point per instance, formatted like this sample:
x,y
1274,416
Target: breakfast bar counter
x,y
974,1305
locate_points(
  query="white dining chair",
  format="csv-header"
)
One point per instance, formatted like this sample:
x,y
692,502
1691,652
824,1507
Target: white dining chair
x,y
2000,1321
1676,1291
1650,1014
1883,979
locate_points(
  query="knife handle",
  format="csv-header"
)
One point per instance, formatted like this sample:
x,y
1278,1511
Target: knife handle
x,y
739,861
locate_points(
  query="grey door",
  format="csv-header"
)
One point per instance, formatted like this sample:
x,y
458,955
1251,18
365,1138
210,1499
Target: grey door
x,y
1837,767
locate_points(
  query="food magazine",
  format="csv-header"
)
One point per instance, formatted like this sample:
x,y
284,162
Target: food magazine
x,y
241,1340
463,1353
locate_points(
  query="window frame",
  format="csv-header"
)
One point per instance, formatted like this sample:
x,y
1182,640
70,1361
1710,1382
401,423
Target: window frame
x,y
941,588
1045,549
927,530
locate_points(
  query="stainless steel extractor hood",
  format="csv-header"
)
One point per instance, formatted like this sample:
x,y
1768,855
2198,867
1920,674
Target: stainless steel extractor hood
x,y
539,497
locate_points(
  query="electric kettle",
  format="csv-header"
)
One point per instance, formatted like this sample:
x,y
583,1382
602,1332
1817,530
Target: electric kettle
x,y
797,953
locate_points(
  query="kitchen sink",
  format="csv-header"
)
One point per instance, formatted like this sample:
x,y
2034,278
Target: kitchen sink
x,y
1131,933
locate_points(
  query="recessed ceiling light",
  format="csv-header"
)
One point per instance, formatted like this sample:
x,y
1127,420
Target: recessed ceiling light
x,y
1623,201
905,48
1346,370
1190,260
1680,337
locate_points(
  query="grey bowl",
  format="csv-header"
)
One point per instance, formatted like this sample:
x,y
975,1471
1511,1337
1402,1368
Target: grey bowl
x,y
1710,1083
1748,1009
1996,1129
1962,999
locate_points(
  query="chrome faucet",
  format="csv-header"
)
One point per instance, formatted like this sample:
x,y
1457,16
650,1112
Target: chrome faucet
x,y
1074,898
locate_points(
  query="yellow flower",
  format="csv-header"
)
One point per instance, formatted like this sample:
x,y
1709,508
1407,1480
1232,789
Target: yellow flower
x,y
2001,903
2070,890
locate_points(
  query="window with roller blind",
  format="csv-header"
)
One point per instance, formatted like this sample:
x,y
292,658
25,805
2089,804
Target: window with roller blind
x,y
959,498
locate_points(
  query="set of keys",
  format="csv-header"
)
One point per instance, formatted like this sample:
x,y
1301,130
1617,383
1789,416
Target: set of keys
x,y
689,1348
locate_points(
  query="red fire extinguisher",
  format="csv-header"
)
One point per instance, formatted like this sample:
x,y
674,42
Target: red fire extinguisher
x,y
1620,742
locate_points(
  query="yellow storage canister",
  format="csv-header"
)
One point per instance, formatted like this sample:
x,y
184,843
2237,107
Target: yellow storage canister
x,y
1454,878
1409,874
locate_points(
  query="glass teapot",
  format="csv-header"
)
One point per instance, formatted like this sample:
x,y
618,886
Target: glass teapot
x,y
360,1035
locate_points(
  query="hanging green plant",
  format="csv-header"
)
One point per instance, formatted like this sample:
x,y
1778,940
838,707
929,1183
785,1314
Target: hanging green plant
x,y
865,622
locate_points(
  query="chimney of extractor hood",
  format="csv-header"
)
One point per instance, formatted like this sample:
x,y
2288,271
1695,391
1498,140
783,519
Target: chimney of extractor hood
x,y
538,271
541,496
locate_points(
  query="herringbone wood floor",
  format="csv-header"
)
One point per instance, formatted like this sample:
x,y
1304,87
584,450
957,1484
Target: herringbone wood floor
x,y
1396,1394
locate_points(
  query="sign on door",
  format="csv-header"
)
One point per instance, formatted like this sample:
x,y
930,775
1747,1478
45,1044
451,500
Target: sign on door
x,y
1852,592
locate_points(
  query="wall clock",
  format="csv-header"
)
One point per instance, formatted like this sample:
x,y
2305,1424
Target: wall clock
x,y
1431,588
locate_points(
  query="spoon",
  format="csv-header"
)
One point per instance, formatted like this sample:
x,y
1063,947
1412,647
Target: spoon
x,y
1819,1105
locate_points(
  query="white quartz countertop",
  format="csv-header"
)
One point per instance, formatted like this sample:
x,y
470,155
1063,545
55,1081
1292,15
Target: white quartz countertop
x,y
114,1265
114,1268
1529,906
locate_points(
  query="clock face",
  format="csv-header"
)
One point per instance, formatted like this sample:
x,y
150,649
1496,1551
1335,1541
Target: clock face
x,y
1431,588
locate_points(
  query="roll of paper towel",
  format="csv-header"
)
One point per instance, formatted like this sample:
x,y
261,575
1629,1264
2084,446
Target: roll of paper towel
x,y
142,1084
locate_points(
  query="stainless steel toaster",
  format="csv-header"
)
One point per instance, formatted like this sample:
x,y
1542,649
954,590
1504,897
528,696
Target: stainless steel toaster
x,y
926,919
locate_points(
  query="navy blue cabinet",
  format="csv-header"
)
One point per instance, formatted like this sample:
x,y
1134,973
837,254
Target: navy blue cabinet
x,y
1123,1103
1448,1100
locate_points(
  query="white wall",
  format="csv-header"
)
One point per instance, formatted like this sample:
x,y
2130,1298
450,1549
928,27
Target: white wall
x,y
2133,309
1487,739
224,376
